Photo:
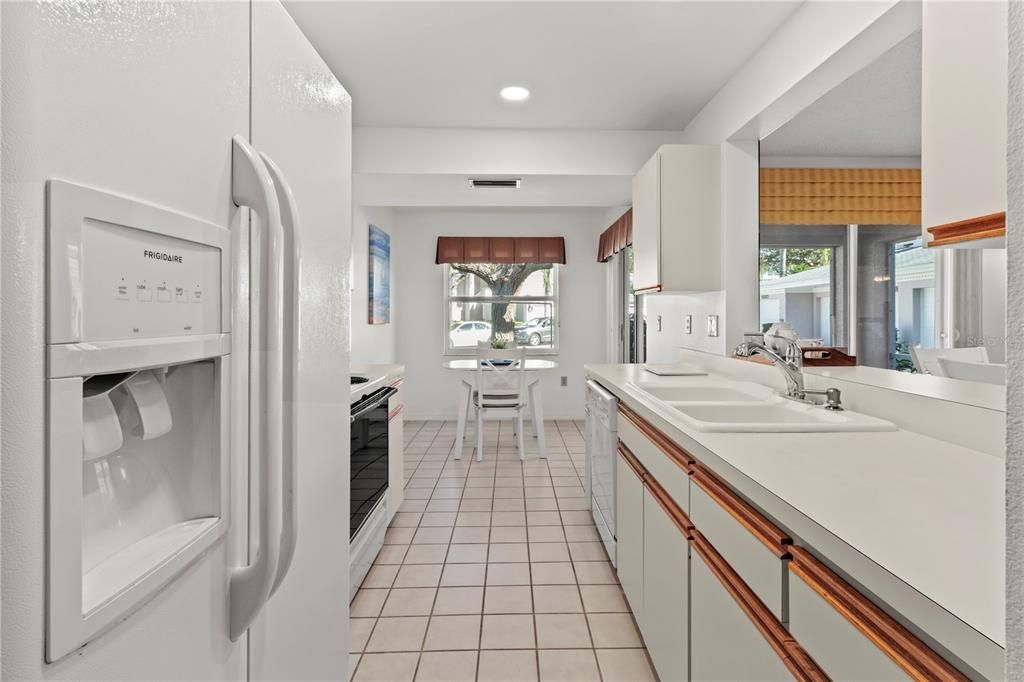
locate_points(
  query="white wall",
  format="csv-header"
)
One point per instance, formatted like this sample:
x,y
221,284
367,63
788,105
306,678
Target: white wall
x,y
1015,353
371,343
418,288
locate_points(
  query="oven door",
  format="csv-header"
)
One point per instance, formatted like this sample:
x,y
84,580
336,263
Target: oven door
x,y
369,455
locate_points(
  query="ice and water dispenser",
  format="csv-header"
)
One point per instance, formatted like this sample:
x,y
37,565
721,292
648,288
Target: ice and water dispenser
x,y
138,361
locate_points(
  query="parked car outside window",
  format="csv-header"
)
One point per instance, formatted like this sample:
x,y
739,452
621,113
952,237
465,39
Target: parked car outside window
x,y
469,334
535,332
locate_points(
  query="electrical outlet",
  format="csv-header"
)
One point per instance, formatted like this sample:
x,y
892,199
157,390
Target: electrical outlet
x,y
712,325
688,324
565,381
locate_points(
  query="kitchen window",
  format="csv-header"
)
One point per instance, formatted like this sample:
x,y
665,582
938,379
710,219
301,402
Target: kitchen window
x,y
501,302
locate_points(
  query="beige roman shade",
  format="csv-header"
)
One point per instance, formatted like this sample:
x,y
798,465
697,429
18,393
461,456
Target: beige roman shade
x,y
840,196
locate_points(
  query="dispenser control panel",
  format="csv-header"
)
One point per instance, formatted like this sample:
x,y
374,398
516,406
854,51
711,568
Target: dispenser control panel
x,y
138,284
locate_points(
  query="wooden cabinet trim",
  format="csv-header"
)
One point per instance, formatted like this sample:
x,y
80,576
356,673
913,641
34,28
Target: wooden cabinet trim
x,y
981,227
632,461
661,496
665,501
648,290
748,517
681,457
795,658
899,644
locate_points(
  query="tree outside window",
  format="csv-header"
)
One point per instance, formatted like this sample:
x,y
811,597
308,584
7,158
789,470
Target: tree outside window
x,y
501,303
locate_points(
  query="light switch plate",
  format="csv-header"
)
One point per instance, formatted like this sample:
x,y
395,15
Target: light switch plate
x,y
688,324
712,325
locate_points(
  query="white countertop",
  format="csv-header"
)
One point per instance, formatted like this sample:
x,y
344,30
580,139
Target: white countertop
x,y
929,512
378,376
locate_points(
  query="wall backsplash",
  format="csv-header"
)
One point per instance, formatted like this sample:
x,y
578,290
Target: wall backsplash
x,y
664,346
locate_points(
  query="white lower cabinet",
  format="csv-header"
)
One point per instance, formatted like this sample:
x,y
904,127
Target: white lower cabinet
x,y
724,643
841,650
761,569
629,526
666,569
721,593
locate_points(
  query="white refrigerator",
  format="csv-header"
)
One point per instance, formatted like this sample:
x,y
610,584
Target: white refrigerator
x,y
173,344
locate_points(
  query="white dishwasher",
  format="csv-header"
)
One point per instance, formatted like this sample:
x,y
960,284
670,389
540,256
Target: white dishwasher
x,y
601,446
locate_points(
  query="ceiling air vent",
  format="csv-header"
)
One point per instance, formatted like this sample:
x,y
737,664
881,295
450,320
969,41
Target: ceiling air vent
x,y
499,184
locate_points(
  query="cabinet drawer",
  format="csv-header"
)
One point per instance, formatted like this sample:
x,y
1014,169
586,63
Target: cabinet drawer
x,y
667,462
851,637
754,547
733,636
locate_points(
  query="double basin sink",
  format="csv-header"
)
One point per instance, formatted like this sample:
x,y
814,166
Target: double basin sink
x,y
723,406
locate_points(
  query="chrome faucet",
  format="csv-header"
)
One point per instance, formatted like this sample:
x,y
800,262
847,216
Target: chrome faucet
x,y
792,365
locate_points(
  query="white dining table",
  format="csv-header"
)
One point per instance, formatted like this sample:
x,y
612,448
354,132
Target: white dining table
x,y
468,367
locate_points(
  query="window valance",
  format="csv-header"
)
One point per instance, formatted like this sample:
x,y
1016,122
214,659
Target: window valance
x,y
617,237
500,250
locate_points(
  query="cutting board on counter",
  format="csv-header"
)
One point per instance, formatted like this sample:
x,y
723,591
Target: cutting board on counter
x,y
675,370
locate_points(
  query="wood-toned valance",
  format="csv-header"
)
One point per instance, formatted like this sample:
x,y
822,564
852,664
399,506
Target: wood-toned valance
x,y
841,196
500,250
617,237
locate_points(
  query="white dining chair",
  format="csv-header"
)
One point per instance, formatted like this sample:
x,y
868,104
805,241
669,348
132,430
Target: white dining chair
x,y
926,360
983,372
500,389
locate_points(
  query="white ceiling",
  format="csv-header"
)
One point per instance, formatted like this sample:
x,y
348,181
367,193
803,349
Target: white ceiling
x,y
589,65
876,112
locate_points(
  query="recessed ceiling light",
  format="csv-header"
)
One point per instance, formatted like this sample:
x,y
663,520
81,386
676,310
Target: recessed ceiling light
x,y
515,93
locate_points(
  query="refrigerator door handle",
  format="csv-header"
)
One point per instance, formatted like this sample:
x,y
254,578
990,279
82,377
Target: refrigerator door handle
x,y
252,186
290,264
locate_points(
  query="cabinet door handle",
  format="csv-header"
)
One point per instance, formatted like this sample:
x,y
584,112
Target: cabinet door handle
x,y
748,517
789,651
899,644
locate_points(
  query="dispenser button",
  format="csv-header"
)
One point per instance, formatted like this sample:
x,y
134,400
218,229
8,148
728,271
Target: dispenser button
x,y
197,295
143,292
179,295
163,294
121,291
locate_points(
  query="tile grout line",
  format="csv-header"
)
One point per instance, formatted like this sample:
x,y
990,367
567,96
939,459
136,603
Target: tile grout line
x,y
427,466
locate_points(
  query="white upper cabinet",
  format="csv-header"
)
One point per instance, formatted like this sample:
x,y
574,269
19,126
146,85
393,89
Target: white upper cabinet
x,y
677,220
963,120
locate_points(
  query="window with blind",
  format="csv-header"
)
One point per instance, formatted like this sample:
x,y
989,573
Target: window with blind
x,y
501,303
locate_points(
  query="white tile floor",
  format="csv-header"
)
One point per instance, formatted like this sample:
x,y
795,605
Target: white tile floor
x,y
494,570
